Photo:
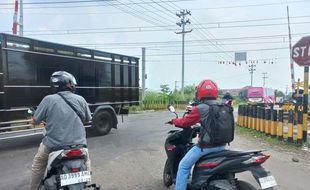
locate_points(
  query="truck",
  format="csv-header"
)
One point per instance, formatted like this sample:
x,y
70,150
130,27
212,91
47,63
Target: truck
x,y
109,82
261,95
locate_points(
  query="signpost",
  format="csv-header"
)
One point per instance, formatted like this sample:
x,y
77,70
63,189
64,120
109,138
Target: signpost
x,y
301,55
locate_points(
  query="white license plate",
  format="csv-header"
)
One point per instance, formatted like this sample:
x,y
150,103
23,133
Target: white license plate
x,y
74,178
266,182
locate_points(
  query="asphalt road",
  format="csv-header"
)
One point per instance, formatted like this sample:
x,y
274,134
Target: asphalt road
x,y
132,157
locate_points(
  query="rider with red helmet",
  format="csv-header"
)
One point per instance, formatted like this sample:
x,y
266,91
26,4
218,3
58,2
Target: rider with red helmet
x,y
206,93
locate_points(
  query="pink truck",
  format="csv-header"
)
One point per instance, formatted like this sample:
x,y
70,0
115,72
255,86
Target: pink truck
x,y
261,95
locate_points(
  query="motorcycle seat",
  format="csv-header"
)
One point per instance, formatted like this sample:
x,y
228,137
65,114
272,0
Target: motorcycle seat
x,y
229,153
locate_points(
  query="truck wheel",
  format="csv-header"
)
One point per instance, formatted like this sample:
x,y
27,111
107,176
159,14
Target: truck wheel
x,y
102,123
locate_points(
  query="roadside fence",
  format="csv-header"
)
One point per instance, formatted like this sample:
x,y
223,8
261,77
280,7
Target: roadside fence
x,y
278,123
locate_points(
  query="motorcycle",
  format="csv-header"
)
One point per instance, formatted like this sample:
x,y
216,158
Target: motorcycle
x,y
215,171
66,168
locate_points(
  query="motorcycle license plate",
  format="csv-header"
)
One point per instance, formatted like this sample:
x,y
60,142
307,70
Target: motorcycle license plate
x,y
74,178
268,181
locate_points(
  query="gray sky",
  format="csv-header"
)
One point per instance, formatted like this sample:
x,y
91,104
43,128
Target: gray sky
x,y
219,29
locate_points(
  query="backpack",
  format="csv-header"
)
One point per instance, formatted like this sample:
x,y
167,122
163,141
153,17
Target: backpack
x,y
218,125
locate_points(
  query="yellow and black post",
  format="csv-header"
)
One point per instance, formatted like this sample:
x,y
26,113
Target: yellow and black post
x,y
258,118
280,125
305,103
262,121
267,120
250,117
273,126
290,126
246,116
241,115
238,116
253,117
299,127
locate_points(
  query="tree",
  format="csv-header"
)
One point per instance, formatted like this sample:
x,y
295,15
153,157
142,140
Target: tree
x,y
164,88
280,93
189,89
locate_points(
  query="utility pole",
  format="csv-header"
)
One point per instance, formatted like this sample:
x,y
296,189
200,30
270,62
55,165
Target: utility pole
x,y
182,24
15,23
252,69
21,19
175,85
264,78
143,74
290,46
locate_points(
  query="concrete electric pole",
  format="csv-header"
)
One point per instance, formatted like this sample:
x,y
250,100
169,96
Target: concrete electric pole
x,y
143,74
182,24
21,19
252,69
264,78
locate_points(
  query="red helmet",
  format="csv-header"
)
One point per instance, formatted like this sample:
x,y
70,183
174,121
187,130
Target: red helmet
x,y
207,89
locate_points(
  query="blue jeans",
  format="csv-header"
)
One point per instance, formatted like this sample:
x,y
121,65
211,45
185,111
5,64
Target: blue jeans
x,y
191,157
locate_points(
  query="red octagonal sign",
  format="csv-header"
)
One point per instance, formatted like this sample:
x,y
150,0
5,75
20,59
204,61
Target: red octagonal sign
x,y
301,51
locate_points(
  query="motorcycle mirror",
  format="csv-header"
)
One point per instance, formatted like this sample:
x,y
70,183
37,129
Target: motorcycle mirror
x,y
30,111
171,108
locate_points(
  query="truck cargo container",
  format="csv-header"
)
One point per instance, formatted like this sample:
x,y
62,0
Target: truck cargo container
x,y
109,82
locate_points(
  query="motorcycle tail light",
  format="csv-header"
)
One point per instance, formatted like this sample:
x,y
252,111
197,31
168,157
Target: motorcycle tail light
x,y
170,147
73,153
257,159
261,159
75,169
209,164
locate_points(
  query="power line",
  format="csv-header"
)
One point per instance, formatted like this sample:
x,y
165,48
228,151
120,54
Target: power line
x,y
132,13
218,39
135,29
158,15
208,60
206,33
197,29
57,2
84,6
211,52
207,8
150,48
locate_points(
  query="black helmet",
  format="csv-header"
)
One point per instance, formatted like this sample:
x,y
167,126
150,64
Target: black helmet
x,y
227,96
62,81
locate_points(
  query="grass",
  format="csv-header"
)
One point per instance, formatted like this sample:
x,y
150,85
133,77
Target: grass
x,y
268,139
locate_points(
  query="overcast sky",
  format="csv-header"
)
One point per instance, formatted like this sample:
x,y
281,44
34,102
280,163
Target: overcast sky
x,y
220,28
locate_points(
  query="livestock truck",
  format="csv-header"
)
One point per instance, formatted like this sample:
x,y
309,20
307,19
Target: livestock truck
x,y
109,82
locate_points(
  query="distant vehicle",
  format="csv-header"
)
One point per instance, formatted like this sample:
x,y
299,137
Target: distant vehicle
x,y
109,82
261,95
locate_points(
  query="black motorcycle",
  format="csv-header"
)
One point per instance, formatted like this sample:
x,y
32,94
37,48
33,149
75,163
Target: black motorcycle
x,y
215,171
66,168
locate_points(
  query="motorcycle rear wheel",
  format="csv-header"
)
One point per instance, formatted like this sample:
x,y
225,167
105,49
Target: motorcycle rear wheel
x,y
167,178
242,185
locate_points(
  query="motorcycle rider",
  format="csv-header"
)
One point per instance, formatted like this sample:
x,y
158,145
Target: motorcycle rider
x,y
206,93
228,99
64,126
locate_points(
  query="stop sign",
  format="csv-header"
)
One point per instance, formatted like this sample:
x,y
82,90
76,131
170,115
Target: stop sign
x,y
301,51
